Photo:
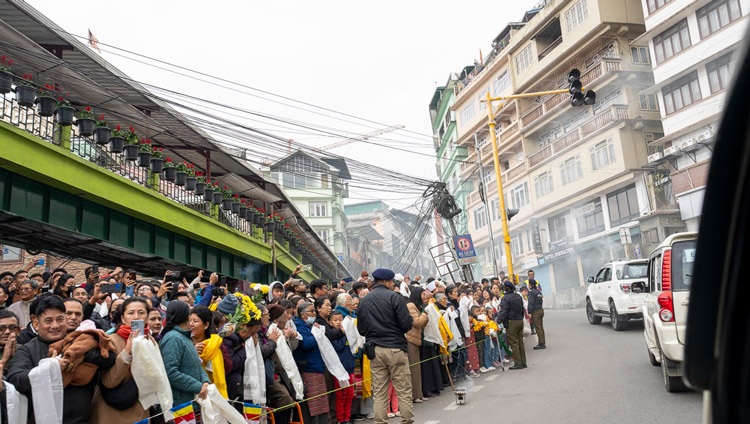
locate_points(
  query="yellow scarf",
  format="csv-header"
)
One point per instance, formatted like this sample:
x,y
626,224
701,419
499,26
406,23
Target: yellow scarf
x,y
212,353
446,334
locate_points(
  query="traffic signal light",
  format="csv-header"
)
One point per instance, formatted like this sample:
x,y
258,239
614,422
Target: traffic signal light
x,y
510,213
577,98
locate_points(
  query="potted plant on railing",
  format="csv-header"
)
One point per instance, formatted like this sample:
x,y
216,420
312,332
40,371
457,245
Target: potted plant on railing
x,y
170,171
270,224
131,148
157,160
190,180
243,209
218,194
226,201
208,193
236,204
6,76
45,101
26,91
181,175
145,152
101,131
85,122
200,184
117,140
260,218
64,112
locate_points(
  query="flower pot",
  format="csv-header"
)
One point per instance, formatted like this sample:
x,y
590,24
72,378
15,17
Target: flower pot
x,y
6,82
208,194
226,204
256,218
261,220
180,178
45,106
130,152
144,159
64,115
156,165
101,135
25,95
170,173
243,211
236,207
218,197
270,226
116,144
190,183
85,127
200,188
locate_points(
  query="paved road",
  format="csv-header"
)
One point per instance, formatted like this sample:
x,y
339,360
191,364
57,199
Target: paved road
x,y
587,374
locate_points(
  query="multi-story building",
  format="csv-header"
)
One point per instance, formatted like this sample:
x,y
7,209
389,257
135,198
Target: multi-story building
x,y
318,187
575,173
693,46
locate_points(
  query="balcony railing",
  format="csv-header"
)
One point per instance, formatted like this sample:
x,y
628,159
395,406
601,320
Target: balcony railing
x,y
514,172
540,156
508,132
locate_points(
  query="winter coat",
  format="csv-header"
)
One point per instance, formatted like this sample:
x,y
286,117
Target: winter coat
x,y
341,345
384,319
307,354
511,309
331,333
414,336
235,348
183,365
535,300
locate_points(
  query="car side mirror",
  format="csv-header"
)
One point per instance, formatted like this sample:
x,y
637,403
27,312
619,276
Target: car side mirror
x,y
591,279
639,287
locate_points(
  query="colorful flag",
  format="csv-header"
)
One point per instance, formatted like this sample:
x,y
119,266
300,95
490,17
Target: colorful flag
x,y
183,414
252,412
143,421
94,42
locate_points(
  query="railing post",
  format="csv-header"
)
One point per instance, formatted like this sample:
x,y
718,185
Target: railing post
x,y
63,136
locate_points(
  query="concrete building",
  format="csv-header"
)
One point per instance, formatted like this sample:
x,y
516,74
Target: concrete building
x,y
575,173
693,46
318,187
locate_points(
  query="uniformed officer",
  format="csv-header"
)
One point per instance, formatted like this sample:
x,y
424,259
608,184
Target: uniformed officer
x,y
511,316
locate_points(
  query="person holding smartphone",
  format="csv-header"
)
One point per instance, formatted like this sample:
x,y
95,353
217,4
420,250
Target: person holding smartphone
x,y
117,403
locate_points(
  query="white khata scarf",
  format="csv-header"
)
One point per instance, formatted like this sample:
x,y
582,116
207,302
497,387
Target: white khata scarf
x,y
254,380
47,391
287,362
17,404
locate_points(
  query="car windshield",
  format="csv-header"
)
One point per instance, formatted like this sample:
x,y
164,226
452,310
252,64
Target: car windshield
x,y
626,271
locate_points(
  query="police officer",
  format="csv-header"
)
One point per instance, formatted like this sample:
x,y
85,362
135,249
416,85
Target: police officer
x,y
536,311
511,316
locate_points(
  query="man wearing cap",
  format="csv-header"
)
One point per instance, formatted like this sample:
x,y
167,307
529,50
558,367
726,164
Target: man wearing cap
x,y
536,311
384,320
511,316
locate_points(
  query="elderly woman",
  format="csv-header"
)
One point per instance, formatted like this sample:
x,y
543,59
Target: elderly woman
x,y
415,305
312,368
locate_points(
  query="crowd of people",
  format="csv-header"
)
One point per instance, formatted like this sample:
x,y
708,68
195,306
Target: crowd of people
x,y
322,352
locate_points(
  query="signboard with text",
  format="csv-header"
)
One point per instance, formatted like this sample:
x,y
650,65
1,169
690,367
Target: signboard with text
x,y
464,249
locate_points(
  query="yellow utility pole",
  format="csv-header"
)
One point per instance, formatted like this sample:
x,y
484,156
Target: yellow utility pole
x,y
589,99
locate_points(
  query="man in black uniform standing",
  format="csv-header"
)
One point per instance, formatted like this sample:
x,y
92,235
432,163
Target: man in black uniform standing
x,y
384,320
511,316
536,311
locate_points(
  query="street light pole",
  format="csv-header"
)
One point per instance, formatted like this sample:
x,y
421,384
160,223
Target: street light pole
x,y
486,211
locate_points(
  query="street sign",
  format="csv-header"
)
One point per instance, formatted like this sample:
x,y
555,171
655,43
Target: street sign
x,y
464,249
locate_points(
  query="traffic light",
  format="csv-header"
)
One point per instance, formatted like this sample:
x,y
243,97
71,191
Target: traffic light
x,y
510,213
577,98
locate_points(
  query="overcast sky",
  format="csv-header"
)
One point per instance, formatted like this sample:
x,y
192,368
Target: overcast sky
x,y
375,60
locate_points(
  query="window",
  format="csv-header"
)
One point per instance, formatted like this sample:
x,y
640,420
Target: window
x,y
543,184
576,15
529,241
654,5
623,206
648,101
571,170
718,73
294,180
516,247
482,94
716,15
10,253
558,231
672,41
501,84
602,154
495,205
639,55
520,195
523,59
468,111
323,235
480,219
318,208
591,221
681,93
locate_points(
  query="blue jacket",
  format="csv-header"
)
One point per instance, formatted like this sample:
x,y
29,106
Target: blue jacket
x,y
183,365
307,354
341,346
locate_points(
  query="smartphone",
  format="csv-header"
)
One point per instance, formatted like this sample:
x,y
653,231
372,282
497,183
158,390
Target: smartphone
x,y
223,280
113,288
196,286
348,279
40,261
137,326
306,268
95,269
132,275
175,274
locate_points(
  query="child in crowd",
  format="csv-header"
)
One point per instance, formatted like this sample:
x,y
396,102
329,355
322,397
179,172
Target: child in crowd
x,y
483,328
392,402
344,397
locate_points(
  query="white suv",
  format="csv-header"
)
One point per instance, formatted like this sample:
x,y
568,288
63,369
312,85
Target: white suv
x,y
670,269
609,294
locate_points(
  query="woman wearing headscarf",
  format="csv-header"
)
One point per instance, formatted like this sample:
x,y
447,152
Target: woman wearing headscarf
x,y
310,363
181,361
415,305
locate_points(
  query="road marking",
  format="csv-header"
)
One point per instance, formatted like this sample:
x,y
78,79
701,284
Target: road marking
x,y
432,422
476,388
450,407
492,377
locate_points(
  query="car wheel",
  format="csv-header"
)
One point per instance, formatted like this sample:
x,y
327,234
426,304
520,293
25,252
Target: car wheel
x,y
618,322
593,319
672,384
651,357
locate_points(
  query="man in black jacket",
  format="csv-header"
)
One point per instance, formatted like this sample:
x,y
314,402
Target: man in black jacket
x,y
536,311
384,320
511,316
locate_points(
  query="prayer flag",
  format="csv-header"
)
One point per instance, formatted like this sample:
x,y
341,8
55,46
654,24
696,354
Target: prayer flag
x,y
252,412
183,414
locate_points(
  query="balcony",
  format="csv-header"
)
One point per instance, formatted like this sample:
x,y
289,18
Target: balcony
x,y
514,172
604,67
